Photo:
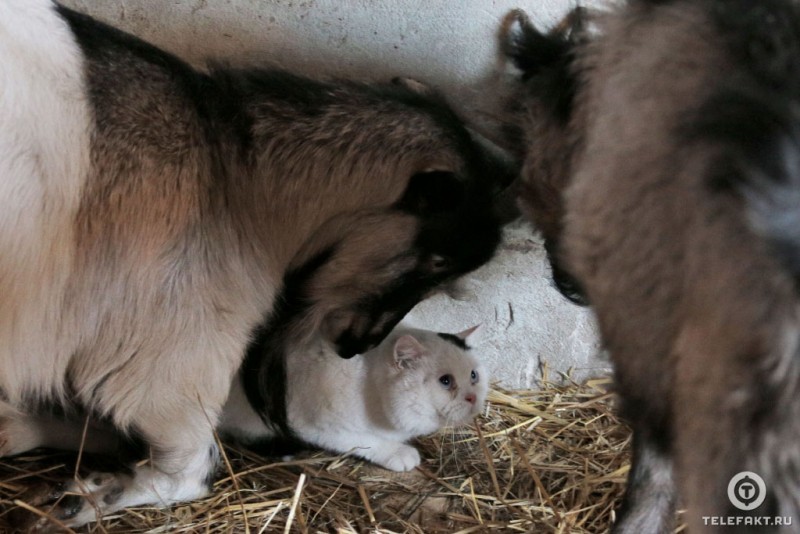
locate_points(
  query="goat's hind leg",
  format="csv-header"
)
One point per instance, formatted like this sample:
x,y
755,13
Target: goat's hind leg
x,y
21,432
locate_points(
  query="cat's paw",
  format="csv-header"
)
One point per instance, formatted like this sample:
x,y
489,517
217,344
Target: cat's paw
x,y
402,458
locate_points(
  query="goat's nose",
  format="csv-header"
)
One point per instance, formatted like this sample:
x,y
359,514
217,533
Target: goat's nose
x,y
470,398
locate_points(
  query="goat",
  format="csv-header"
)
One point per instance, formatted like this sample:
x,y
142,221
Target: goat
x,y
662,162
152,215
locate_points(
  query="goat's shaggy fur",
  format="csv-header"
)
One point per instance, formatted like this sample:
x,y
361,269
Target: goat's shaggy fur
x,y
662,164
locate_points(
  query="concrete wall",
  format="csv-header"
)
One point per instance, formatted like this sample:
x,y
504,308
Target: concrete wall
x,y
450,45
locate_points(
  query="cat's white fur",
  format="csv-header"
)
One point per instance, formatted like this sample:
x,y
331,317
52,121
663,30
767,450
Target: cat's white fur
x,y
372,404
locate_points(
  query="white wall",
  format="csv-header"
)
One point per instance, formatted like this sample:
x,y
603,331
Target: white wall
x,y
448,44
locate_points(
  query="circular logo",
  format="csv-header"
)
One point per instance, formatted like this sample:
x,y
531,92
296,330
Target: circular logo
x,y
747,490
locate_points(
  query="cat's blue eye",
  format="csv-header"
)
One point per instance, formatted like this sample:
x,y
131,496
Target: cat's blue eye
x,y
446,380
474,376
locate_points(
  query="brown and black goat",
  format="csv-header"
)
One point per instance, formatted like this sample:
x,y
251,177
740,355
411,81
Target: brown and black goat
x,y
662,164
152,217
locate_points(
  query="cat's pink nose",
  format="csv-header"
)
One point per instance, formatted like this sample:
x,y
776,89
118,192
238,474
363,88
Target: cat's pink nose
x,y
470,398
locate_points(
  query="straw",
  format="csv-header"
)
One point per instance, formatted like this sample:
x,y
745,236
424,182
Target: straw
x,y
554,459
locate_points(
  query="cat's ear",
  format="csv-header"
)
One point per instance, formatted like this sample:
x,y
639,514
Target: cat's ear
x,y
472,335
407,350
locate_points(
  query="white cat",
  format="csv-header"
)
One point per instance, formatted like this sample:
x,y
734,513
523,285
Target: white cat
x,y
414,383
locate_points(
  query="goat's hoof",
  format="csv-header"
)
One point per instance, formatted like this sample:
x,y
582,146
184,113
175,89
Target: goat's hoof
x,y
44,497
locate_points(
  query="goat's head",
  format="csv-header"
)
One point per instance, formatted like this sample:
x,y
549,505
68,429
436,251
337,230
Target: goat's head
x,y
340,148
362,272
541,129
355,279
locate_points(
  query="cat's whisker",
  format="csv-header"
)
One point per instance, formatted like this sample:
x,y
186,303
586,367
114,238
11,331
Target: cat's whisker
x,y
453,451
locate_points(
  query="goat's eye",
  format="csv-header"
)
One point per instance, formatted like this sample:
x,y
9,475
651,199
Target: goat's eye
x,y
474,376
439,263
446,381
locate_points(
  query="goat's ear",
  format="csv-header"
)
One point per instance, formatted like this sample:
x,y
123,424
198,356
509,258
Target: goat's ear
x,y
529,49
407,351
415,86
431,192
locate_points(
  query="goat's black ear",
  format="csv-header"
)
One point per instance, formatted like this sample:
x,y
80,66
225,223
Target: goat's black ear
x,y
357,331
432,192
529,49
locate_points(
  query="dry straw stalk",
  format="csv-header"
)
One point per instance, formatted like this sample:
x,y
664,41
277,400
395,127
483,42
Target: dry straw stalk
x,y
548,460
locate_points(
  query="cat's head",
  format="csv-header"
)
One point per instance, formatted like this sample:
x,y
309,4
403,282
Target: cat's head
x,y
433,380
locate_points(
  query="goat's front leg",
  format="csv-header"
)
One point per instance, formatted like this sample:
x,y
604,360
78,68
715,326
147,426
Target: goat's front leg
x,y
169,395
183,457
649,504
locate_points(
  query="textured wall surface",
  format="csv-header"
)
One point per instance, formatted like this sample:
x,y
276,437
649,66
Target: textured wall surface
x,y
450,45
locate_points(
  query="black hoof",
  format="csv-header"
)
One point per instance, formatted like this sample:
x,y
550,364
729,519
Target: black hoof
x,y
69,506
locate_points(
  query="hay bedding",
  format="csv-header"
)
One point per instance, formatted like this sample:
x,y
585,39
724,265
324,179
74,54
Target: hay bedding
x,y
551,460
